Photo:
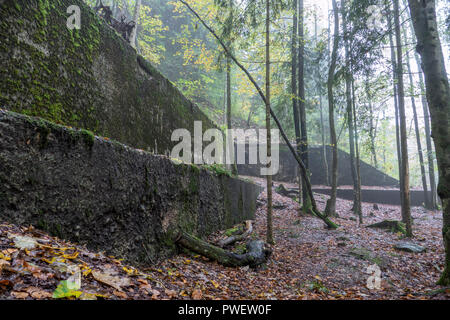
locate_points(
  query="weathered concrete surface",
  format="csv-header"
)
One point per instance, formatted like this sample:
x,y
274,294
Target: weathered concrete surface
x,y
89,78
370,176
113,198
380,196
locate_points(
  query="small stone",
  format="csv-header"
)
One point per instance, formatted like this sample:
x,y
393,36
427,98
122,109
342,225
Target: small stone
x,y
409,247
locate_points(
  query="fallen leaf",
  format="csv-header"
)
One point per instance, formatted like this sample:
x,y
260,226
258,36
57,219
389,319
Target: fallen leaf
x,y
20,295
66,289
38,293
197,294
112,281
120,294
23,242
171,293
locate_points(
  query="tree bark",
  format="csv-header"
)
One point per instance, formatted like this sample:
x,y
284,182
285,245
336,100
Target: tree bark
x,y
295,96
237,237
423,15
302,102
348,97
416,127
394,84
269,147
426,114
257,252
322,123
331,203
358,162
405,195
372,134
134,33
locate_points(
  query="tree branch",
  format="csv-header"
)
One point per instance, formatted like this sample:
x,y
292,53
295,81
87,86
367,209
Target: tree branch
x,y
329,223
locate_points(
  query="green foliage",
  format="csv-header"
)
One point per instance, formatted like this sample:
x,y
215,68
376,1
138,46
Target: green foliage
x,y
67,289
219,169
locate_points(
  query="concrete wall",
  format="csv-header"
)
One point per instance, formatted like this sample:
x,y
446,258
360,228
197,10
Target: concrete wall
x,y
111,197
370,176
89,78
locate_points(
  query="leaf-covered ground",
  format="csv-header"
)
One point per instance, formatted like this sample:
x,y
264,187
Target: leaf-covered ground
x,y
308,262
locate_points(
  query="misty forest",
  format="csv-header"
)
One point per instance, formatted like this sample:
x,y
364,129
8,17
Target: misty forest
x,y
95,205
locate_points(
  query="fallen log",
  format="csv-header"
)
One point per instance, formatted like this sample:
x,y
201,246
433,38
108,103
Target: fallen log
x,y
257,251
237,237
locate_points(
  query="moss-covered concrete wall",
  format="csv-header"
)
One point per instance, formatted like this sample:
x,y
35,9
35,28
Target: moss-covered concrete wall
x,y
88,78
124,201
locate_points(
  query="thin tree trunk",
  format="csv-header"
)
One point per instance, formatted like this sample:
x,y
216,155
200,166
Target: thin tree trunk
x,y
372,127
358,162
233,166
348,96
423,15
269,149
297,158
302,102
394,84
405,195
295,91
322,124
426,114
134,33
331,203
416,126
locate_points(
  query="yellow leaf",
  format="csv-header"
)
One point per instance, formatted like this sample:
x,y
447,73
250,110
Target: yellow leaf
x,y
72,256
215,284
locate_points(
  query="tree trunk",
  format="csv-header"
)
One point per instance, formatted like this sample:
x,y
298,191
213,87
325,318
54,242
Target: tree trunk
x,y
233,166
322,124
423,15
372,127
302,103
416,127
295,91
269,149
348,97
297,158
394,84
358,162
134,33
405,195
237,237
331,203
426,114
257,253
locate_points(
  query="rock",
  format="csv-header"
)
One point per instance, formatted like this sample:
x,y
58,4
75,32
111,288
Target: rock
x,y
409,247
279,206
367,255
390,225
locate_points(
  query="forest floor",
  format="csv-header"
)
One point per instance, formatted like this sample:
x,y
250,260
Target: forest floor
x,y
308,262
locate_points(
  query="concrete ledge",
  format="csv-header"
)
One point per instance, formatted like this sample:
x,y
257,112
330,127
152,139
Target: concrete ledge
x,y
108,196
380,196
